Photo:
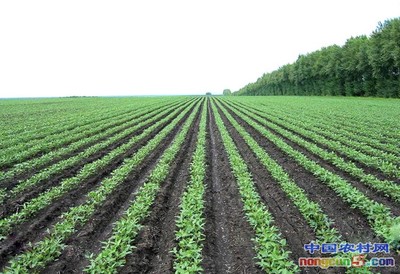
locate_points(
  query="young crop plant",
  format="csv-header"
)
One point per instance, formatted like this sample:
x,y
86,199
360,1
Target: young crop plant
x,y
91,181
320,131
25,137
145,120
120,244
330,129
269,245
378,134
17,155
310,210
125,123
386,163
190,222
387,167
52,245
32,207
388,188
378,215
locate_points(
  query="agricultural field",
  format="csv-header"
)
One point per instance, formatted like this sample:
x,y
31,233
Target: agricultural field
x,y
199,184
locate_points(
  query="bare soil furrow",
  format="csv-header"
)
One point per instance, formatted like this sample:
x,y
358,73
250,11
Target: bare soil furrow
x,y
228,246
368,169
88,239
12,205
287,217
8,184
372,194
19,238
157,237
351,224
97,197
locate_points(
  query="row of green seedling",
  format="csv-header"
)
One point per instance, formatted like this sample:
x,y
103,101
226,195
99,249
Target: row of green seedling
x,y
25,133
120,244
59,167
353,115
48,249
78,124
367,122
71,119
369,137
36,163
190,221
26,150
270,247
386,167
386,187
330,131
32,207
310,210
377,135
379,216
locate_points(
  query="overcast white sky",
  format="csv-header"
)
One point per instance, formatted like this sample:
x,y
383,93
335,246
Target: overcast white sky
x,y
64,48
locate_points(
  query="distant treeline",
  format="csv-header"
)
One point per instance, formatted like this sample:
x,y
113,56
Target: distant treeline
x,y
364,66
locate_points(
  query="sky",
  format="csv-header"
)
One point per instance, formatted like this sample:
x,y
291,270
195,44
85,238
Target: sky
x,y
116,48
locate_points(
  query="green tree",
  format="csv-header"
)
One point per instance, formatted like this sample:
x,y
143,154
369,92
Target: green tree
x,y
364,66
227,92
384,56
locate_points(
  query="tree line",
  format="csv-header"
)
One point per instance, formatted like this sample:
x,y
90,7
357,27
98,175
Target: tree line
x,y
364,66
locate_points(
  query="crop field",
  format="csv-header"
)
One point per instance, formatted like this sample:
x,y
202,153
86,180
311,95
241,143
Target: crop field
x,y
199,184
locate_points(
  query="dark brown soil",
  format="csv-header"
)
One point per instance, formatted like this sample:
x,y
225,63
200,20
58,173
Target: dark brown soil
x,y
12,204
8,184
228,246
157,239
69,127
287,217
368,169
366,190
350,223
20,236
338,123
99,228
42,152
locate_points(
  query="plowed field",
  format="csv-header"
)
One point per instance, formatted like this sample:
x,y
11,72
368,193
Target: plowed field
x,y
199,184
